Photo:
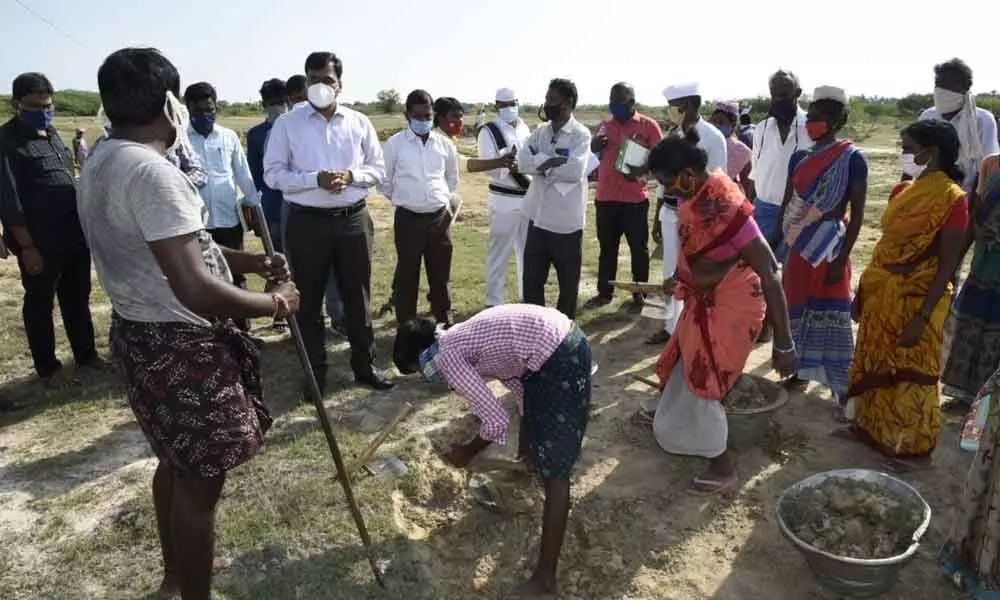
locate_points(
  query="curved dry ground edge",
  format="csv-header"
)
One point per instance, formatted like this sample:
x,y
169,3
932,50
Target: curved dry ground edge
x,y
76,517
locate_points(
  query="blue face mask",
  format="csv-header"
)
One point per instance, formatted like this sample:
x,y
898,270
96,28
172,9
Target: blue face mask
x,y
508,114
39,120
421,127
620,111
727,130
203,124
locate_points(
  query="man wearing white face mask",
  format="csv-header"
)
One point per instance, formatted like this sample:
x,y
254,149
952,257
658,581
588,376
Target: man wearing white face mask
x,y
499,142
976,127
325,158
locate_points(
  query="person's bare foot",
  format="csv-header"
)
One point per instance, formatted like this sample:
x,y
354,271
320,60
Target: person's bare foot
x,y
534,589
170,588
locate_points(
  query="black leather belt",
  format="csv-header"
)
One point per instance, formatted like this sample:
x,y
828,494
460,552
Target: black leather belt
x,y
413,213
339,211
507,191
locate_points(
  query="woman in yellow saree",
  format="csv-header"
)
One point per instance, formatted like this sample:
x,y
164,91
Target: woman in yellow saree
x,y
725,272
904,297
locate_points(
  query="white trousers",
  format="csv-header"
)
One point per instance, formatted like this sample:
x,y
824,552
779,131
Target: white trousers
x,y
671,249
508,232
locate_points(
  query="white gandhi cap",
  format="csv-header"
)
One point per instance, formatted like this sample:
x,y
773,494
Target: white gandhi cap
x,y
829,92
505,95
683,90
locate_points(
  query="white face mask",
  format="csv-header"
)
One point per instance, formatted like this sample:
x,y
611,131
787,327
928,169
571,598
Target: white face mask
x,y
508,114
909,166
177,115
322,95
947,101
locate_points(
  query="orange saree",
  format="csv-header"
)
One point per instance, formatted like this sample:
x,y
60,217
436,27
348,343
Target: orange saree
x,y
718,326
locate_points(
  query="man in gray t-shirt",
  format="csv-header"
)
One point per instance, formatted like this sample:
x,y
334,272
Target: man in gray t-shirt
x,y
129,196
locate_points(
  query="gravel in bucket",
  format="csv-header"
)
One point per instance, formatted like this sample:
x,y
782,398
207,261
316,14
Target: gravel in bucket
x,y
752,393
853,519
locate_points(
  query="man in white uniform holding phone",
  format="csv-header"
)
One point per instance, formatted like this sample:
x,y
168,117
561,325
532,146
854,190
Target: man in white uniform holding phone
x,y
499,142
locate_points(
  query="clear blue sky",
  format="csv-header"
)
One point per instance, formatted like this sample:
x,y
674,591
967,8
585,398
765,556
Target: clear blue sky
x,y
874,46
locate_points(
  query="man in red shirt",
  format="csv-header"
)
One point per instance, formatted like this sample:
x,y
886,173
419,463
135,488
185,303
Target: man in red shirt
x,y
622,206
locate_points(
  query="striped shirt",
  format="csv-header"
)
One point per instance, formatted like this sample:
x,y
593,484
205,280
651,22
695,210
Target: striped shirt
x,y
504,342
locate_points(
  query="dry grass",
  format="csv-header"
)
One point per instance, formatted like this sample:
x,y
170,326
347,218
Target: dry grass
x,y
76,517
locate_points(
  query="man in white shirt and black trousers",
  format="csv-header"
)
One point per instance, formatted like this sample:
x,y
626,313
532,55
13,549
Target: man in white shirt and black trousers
x,y
557,154
421,178
325,157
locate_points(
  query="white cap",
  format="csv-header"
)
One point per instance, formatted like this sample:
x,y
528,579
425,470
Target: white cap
x,y
829,92
683,90
505,95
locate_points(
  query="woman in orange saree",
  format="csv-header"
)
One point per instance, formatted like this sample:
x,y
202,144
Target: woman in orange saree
x,y
903,300
725,273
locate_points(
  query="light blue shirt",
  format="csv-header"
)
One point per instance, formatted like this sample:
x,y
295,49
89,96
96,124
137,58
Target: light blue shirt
x,y
228,175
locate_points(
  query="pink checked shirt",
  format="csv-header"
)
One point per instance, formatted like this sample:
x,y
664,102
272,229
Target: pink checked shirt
x,y
504,342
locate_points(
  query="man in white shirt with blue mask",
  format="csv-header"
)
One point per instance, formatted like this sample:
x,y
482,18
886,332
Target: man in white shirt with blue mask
x,y
421,179
499,143
229,184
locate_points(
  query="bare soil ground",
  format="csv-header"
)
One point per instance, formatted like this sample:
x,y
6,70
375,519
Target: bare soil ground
x,y
76,517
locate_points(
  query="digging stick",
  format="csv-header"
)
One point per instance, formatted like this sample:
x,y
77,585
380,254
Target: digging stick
x,y
651,383
324,419
380,439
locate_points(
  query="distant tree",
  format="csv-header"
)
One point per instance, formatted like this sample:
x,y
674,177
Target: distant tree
x,y
387,101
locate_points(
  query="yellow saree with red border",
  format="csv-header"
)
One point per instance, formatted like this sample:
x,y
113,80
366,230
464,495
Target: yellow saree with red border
x,y
895,389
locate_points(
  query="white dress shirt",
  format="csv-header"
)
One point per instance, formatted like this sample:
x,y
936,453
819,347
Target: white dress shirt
x,y
557,199
770,158
711,140
227,175
303,143
420,176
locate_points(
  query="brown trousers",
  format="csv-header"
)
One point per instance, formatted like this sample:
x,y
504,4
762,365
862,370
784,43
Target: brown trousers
x,y
424,236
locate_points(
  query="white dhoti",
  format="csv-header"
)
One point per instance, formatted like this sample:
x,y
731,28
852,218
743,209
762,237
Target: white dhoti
x,y
508,233
671,249
686,424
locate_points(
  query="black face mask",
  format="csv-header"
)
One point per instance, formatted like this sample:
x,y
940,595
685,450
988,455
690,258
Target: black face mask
x,y
784,109
552,111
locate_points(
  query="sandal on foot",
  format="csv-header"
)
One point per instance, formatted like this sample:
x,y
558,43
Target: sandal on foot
x,y
643,418
840,416
845,433
794,384
709,485
660,337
